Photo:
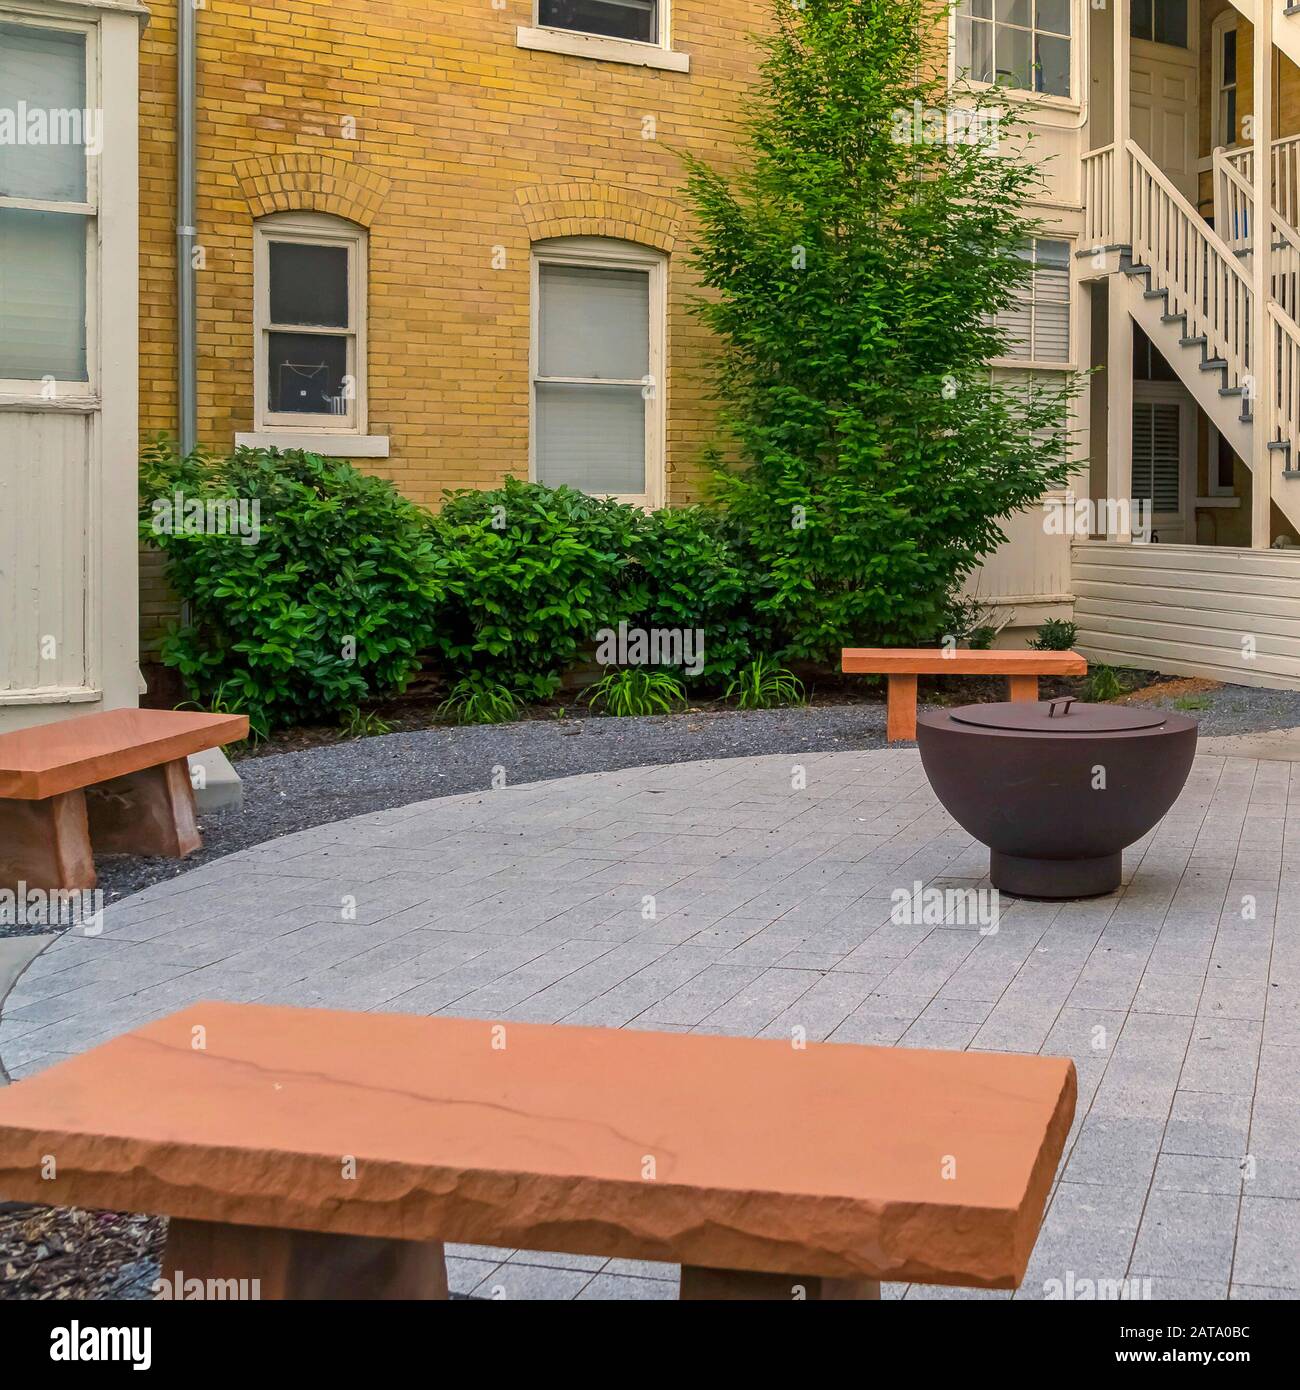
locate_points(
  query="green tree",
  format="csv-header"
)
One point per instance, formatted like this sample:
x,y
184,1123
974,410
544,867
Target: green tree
x,y
853,269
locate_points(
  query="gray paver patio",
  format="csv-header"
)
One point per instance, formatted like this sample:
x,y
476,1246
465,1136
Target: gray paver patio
x,y
753,897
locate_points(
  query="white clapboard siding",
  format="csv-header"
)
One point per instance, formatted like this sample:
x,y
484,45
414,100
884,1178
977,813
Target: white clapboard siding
x,y
44,495
1191,610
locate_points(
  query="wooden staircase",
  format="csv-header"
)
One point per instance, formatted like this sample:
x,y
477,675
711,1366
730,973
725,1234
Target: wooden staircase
x,y
1190,290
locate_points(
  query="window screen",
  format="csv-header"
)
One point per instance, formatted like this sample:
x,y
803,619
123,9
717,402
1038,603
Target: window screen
x,y
593,337
616,19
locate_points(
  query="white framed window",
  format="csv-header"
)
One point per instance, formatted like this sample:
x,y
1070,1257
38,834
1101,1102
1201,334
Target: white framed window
x,y
1025,45
597,355
1037,326
309,285
1224,89
614,31
50,139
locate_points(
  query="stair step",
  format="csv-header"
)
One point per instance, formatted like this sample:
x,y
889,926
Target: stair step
x,y
1136,269
1292,9
1279,444
1213,364
1198,341
1174,318
1291,472
1231,390
1155,294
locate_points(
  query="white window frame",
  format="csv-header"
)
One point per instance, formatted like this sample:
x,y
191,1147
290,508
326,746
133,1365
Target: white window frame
x,y
87,388
312,229
577,43
599,253
1072,315
1220,26
1071,102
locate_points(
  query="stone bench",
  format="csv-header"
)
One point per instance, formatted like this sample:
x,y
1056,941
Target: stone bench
x,y
329,1154
117,781
902,665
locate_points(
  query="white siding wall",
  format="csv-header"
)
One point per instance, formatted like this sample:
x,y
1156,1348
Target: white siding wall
x,y
44,491
1191,610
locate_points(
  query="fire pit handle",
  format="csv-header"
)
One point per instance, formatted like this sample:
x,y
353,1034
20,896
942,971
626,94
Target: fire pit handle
x,y
1063,702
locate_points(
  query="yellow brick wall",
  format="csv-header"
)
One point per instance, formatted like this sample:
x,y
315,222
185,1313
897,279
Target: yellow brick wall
x,y
463,142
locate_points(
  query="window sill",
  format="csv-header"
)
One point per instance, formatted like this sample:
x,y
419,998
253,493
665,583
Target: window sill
x,y
52,695
73,405
339,446
643,55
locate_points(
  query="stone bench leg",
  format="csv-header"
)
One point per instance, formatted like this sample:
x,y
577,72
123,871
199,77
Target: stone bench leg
x,y
742,1285
300,1264
1023,689
900,721
46,844
149,812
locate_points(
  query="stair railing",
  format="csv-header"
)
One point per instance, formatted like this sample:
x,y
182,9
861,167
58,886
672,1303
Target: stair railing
x,y
1284,161
1099,198
1200,272
1286,366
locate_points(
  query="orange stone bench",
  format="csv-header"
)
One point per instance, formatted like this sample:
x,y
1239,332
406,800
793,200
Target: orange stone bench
x,y
330,1154
116,781
902,665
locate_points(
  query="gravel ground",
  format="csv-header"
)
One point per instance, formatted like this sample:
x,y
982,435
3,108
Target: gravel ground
x,y
286,792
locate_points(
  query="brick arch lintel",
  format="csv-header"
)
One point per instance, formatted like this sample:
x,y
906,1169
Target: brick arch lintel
x,y
599,210
305,181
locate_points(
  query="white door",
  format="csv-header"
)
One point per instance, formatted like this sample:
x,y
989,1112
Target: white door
x,y
1163,88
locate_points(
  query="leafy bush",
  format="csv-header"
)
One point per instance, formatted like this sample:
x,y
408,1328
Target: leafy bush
x,y
329,608
532,573
854,277
695,577
476,700
1055,635
635,691
764,685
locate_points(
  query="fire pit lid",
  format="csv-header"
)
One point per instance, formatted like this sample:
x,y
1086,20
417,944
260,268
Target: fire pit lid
x,y
1061,716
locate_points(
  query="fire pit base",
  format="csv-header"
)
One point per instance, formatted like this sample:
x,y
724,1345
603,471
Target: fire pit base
x,y
1055,878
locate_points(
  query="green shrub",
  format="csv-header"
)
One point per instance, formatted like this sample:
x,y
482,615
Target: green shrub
x,y
476,700
695,577
329,608
1055,635
633,690
532,573
764,685
1103,684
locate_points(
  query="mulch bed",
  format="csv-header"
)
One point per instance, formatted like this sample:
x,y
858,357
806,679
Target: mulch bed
x,y
68,1253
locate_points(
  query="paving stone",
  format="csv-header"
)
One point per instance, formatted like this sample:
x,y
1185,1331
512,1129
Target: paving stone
x,y
1186,1235
774,911
1268,1242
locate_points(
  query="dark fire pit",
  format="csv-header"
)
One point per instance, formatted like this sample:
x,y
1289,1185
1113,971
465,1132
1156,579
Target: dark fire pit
x,y
1056,789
